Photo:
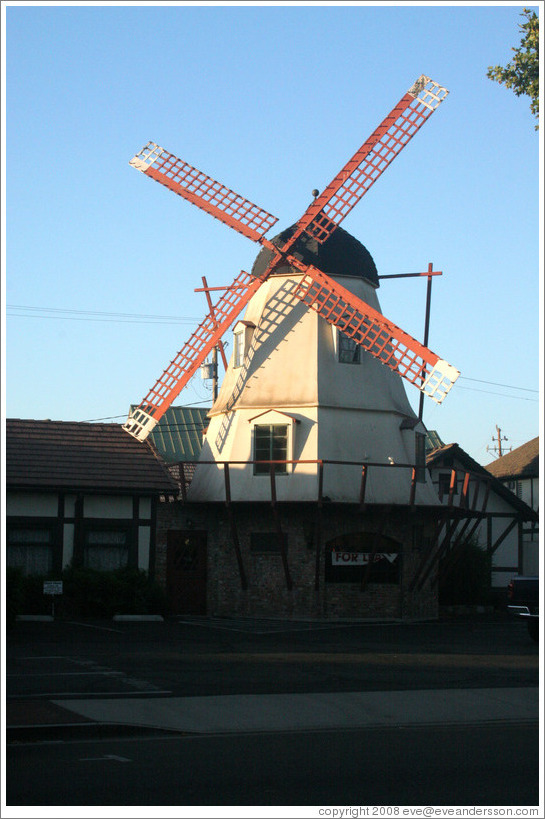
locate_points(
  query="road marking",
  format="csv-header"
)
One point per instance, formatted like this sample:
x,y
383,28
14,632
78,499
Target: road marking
x,y
88,694
107,757
100,628
70,674
52,657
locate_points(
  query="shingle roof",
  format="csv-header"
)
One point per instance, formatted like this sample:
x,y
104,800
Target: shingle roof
x,y
179,434
433,441
445,454
522,462
72,455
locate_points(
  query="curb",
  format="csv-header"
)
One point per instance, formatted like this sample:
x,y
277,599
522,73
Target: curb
x,y
60,732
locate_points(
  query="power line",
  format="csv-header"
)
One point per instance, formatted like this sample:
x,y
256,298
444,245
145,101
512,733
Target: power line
x,y
95,315
503,394
495,384
124,415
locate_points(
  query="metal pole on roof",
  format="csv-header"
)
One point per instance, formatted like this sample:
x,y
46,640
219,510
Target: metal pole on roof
x,y
215,373
426,332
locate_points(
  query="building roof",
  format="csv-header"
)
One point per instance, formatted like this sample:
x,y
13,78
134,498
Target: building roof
x,y
444,457
69,455
433,441
179,434
522,462
340,255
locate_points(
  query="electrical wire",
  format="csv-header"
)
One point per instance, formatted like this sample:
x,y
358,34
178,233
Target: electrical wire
x,y
146,318
94,315
495,384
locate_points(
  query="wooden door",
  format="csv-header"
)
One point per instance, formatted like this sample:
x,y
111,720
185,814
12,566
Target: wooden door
x,y
186,571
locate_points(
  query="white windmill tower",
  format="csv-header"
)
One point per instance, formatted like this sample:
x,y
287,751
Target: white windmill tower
x,y
312,407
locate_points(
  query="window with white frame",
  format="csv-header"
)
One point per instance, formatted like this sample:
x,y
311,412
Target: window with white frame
x,y
106,549
30,548
242,339
349,351
270,444
238,342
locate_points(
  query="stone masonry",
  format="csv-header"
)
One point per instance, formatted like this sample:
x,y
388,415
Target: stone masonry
x,y
309,531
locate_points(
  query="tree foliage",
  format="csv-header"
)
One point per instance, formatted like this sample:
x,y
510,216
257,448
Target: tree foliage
x,y
522,73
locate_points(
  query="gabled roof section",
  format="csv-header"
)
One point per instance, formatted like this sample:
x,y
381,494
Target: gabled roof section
x,y
71,455
445,456
433,441
522,462
276,413
179,434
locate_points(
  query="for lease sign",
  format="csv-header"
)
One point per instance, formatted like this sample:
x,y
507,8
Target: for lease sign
x,y
360,558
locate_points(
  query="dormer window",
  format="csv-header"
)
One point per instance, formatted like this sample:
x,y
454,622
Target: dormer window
x,y
272,440
239,348
270,444
346,349
242,338
349,351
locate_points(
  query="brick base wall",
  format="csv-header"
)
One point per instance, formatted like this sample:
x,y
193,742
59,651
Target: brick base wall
x,y
308,531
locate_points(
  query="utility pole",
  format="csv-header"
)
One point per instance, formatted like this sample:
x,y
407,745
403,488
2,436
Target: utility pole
x,y
499,449
215,373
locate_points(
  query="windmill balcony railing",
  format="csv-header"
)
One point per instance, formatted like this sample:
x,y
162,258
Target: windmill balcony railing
x,y
277,470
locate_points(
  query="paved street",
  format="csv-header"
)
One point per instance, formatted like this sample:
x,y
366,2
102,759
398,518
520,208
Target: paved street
x,y
199,657
210,710
444,765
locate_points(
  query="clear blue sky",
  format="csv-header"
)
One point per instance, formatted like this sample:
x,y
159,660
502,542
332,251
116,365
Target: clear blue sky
x,y
101,263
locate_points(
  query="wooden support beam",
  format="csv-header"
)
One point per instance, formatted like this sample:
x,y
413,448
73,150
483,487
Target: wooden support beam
x,y
233,528
318,547
416,585
413,487
434,545
279,532
320,483
464,495
502,537
452,487
376,542
461,541
363,484
451,555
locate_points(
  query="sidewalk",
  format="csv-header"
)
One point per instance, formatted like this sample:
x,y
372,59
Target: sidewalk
x,y
274,712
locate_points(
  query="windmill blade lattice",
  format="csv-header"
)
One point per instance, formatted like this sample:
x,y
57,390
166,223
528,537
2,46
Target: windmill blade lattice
x,y
370,329
185,364
371,160
203,191
377,335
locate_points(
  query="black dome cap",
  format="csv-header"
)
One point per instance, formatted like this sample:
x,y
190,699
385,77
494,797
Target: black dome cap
x,y
340,255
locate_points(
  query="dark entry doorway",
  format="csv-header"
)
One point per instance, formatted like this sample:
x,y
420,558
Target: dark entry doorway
x,y
186,571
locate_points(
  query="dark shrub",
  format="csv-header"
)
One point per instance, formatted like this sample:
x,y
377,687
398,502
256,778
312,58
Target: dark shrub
x,y
86,593
14,595
466,580
91,593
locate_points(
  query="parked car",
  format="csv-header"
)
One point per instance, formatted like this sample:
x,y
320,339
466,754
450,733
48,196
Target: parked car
x,y
523,601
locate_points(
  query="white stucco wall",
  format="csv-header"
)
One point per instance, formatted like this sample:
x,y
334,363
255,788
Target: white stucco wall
x,y
32,504
144,537
107,506
342,412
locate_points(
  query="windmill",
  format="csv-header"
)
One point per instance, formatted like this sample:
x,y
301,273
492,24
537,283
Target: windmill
x,y
352,316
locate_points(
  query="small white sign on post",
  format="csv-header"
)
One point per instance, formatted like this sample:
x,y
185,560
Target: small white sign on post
x,y
53,587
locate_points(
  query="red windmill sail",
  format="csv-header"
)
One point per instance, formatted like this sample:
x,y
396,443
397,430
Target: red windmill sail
x,y
399,351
